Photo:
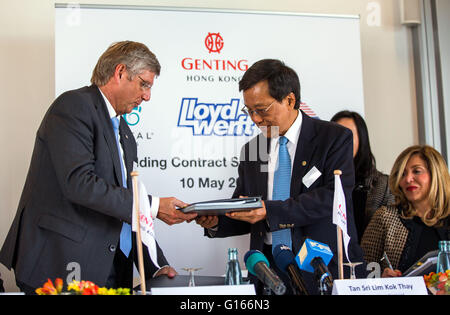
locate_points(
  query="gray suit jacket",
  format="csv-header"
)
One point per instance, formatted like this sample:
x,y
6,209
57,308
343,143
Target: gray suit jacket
x,y
72,206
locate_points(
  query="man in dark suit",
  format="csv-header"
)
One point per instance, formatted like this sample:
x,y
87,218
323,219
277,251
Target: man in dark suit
x,y
316,148
75,204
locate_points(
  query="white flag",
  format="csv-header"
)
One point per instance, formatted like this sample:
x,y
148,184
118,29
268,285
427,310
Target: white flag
x,y
146,223
340,211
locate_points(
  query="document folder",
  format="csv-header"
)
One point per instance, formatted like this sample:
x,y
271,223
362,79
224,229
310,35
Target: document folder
x,y
424,265
222,206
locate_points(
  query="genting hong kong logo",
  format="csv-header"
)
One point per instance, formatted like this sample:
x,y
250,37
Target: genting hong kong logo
x,y
214,42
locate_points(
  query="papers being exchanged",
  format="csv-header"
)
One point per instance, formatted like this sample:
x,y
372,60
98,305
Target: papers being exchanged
x,y
222,206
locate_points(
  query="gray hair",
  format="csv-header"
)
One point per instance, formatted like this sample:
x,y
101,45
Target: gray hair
x,y
135,56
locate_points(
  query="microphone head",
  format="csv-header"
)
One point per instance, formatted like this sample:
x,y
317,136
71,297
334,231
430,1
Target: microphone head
x,y
283,256
252,257
310,250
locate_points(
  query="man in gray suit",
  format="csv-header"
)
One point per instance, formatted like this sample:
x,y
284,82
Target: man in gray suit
x,y
75,205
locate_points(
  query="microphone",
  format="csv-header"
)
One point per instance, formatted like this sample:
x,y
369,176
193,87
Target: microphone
x,y
314,257
258,265
285,260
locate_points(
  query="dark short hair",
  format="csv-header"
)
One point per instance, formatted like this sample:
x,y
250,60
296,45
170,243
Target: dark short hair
x,y
281,79
364,160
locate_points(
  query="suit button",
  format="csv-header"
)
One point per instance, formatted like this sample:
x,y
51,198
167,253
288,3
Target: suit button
x,y
112,248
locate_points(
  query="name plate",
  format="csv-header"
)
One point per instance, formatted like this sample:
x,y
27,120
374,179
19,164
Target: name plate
x,y
381,286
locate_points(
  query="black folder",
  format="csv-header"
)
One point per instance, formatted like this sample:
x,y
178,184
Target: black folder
x,y
222,206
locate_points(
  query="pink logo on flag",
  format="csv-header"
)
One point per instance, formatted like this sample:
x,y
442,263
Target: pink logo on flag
x,y
342,213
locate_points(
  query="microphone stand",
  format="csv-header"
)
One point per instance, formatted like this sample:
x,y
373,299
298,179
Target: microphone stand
x,y
323,287
323,276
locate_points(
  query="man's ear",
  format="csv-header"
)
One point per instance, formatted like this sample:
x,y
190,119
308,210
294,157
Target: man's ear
x,y
119,71
291,99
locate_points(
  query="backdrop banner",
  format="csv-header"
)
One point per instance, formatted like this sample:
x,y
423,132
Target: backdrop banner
x,y
190,133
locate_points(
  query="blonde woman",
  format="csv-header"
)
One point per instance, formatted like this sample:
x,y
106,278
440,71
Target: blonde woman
x,y
406,231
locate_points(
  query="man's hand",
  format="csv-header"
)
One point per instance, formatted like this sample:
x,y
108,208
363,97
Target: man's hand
x,y
170,215
168,271
251,216
207,221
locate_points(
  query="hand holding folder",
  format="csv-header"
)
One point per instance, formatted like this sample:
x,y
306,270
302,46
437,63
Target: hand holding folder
x,y
248,209
223,206
250,216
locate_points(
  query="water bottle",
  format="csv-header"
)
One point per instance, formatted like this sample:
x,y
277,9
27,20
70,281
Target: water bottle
x,y
443,262
233,275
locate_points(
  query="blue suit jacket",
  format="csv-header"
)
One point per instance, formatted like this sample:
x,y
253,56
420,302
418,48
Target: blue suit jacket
x,y
308,212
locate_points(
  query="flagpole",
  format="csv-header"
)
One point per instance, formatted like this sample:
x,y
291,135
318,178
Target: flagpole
x,y
340,258
134,176
339,243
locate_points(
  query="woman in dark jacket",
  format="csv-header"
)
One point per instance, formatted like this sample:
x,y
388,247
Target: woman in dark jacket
x,y
371,186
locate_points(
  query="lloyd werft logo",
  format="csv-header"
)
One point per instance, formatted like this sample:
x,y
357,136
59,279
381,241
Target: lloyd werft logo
x,y
222,119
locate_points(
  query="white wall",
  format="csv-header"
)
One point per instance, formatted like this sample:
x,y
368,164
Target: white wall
x,y
443,17
27,80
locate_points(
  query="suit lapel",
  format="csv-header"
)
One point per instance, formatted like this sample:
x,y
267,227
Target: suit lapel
x,y
108,132
303,154
262,166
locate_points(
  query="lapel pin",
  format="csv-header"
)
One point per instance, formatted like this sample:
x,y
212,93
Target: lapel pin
x,y
304,163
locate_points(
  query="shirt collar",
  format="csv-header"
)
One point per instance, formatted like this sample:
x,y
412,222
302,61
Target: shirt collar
x,y
111,110
294,130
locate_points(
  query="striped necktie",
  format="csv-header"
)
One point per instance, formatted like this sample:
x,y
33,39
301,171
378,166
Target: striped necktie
x,y
125,233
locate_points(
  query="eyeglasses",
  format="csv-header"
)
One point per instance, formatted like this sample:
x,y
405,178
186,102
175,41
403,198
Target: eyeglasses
x,y
144,84
260,112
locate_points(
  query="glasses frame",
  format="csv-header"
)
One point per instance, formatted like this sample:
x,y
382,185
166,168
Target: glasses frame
x,y
145,85
259,112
